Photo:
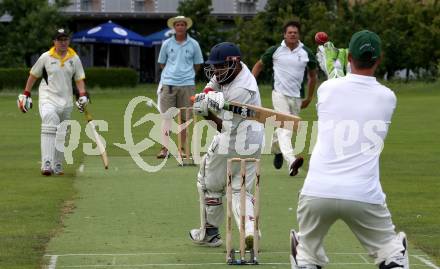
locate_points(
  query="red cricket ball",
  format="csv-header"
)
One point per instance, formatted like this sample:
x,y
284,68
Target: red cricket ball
x,y
321,38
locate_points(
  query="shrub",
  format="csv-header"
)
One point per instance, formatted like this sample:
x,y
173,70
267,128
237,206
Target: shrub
x,y
13,77
95,77
111,77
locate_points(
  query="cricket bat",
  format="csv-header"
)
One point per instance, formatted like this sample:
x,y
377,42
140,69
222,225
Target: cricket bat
x,y
262,114
99,144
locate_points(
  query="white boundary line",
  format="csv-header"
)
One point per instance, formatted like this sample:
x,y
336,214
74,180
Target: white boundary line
x,y
187,264
53,262
364,259
190,253
425,261
54,257
198,264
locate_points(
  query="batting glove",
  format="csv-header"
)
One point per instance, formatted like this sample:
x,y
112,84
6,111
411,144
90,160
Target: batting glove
x,y
215,100
24,101
199,97
208,89
82,102
200,105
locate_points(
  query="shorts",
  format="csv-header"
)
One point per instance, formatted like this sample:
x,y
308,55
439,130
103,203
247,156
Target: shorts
x,y
175,96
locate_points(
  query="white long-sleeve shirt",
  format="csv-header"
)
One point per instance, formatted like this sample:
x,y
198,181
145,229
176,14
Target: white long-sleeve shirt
x,y
240,135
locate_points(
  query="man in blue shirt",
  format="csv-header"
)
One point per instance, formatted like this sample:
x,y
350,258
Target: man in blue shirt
x,y
180,58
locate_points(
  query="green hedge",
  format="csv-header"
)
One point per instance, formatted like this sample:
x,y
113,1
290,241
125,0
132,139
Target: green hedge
x,y
111,77
13,77
95,77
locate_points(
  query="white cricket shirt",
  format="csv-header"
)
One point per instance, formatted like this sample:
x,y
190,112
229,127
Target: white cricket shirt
x,y
60,71
242,136
354,113
289,67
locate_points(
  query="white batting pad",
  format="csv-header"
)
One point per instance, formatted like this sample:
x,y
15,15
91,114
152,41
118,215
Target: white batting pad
x,y
249,212
48,133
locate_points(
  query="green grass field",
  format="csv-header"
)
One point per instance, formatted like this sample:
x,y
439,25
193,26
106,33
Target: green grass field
x,y
127,218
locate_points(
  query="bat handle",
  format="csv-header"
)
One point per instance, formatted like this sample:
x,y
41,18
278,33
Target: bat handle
x,y
87,115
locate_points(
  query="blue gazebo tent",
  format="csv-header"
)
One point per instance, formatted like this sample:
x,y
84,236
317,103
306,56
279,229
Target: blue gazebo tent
x,y
155,40
158,37
110,33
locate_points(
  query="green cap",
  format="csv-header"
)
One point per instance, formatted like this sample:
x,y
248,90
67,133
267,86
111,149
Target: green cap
x,y
365,45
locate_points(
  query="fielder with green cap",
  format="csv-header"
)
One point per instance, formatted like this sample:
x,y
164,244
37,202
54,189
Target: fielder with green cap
x,y
343,180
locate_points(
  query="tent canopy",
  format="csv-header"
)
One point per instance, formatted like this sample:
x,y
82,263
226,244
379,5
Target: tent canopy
x,y
158,37
109,33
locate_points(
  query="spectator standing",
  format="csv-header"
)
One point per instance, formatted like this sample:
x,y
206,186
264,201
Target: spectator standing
x,y
180,58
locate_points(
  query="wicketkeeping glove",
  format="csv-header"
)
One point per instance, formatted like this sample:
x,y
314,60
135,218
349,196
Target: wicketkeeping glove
x,y
24,101
82,102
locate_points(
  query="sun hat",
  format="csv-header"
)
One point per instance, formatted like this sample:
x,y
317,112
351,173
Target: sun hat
x,y
173,20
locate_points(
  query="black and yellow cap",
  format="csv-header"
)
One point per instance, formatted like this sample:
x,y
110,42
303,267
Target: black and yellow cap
x,y
60,33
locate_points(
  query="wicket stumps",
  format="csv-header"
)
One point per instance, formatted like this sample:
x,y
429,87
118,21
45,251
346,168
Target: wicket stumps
x,y
230,252
189,114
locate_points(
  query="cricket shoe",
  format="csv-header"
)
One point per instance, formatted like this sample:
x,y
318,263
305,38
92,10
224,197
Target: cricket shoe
x,y
46,170
400,260
58,169
211,239
293,253
278,160
294,167
293,246
163,153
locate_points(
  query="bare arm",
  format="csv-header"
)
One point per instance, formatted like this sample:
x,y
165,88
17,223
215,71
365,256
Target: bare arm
x,y
196,68
81,87
30,83
311,83
258,67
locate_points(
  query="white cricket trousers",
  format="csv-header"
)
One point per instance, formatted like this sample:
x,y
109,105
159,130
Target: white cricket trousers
x,y
370,223
51,117
282,138
212,178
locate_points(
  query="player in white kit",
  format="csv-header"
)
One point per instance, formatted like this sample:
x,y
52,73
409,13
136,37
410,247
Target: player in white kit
x,y
230,80
58,67
354,114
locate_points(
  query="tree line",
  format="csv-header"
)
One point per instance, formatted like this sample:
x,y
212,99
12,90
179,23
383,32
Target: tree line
x,y
409,29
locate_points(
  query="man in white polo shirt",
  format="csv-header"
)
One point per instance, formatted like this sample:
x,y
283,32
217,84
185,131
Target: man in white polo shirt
x,y
180,58
290,61
354,113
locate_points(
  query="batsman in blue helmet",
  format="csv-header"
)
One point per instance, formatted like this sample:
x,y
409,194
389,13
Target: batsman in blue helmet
x,y
237,137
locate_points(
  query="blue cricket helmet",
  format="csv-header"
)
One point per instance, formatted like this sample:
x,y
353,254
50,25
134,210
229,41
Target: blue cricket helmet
x,y
223,52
